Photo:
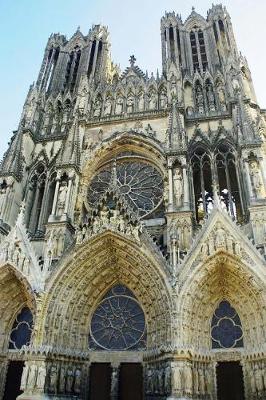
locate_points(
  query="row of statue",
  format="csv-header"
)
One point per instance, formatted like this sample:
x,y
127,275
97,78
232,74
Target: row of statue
x,y
63,379
220,239
208,100
257,376
179,379
6,196
130,104
108,219
13,253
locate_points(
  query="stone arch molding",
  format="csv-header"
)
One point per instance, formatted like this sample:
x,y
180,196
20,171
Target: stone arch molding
x,y
83,277
15,293
229,268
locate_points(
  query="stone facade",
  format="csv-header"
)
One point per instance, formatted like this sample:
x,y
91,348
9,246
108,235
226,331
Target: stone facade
x,y
154,183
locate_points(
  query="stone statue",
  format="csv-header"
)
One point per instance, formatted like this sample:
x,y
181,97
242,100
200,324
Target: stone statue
x,y
167,379
77,384
107,106
114,382
53,379
61,200
97,108
130,104
221,96
178,186
177,378
163,100
256,178
69,380
119,106
199,100
188,379
24,377
62,380
32,376
41,377
210,97
141,104
152,101
220,236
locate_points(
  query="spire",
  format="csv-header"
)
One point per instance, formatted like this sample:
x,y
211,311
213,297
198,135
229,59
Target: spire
x,y
12,163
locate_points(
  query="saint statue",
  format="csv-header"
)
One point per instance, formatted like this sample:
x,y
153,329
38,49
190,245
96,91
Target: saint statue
x,y
178,186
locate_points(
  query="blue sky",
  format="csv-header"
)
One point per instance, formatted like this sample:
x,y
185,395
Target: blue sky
x,y
134,29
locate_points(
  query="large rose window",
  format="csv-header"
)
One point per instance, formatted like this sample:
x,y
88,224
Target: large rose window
x,y
118,322
140,183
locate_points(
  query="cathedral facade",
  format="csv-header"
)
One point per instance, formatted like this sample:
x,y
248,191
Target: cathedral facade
x,y
133,224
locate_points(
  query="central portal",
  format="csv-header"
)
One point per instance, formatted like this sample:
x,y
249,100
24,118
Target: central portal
x,y
230,384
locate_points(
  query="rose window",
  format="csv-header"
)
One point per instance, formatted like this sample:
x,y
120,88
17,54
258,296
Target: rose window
x,y
118,323
140,183
226,329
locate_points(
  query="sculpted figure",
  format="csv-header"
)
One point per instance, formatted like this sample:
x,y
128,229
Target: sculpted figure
x,y
32,376
177,378
141,102
97,108
152,101
41,377
114,218
119,106
104,214
163,100
53,379
258,379
130,104
62,380
178,186
220,236
24,377
200,100
210,96
107,106
256,178
77,384
69,380
62,198
201,381
114,382
221,96
167,379
188,379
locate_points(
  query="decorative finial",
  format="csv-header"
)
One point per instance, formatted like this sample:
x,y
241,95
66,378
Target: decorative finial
x,y
132,60
193,8
78,28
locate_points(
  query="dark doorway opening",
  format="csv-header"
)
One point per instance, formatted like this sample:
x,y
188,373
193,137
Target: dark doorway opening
x,y
131,382
230,385
100,381
13,380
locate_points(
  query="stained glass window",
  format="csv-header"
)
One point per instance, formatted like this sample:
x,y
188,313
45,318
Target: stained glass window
x,y
21,330
226,328
140,183
118,322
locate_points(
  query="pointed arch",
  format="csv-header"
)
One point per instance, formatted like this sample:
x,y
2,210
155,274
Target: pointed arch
x,y
89,271
220,277
16,293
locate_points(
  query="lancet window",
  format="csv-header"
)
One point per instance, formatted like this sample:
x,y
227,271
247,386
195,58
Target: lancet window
x,y
21,330
198,49
118,323
215,178
49,68
72,69
226,327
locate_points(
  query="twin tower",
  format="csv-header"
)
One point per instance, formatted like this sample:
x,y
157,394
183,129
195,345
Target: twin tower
x,y
133,224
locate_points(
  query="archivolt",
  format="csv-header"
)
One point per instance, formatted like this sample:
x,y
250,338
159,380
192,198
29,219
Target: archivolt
x,y
221,277
78,285
15,292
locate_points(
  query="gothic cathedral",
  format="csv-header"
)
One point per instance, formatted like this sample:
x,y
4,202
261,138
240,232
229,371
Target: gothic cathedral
x,y
133,224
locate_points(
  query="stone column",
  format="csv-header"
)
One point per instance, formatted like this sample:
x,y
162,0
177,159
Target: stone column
x,y
33,222
174,254
171,189
3,372
95,58
68,194
115,381
55,195
186,187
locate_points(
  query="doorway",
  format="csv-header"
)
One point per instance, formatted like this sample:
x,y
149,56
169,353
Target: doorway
x,y
131,381
230,385
13,380
100,381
